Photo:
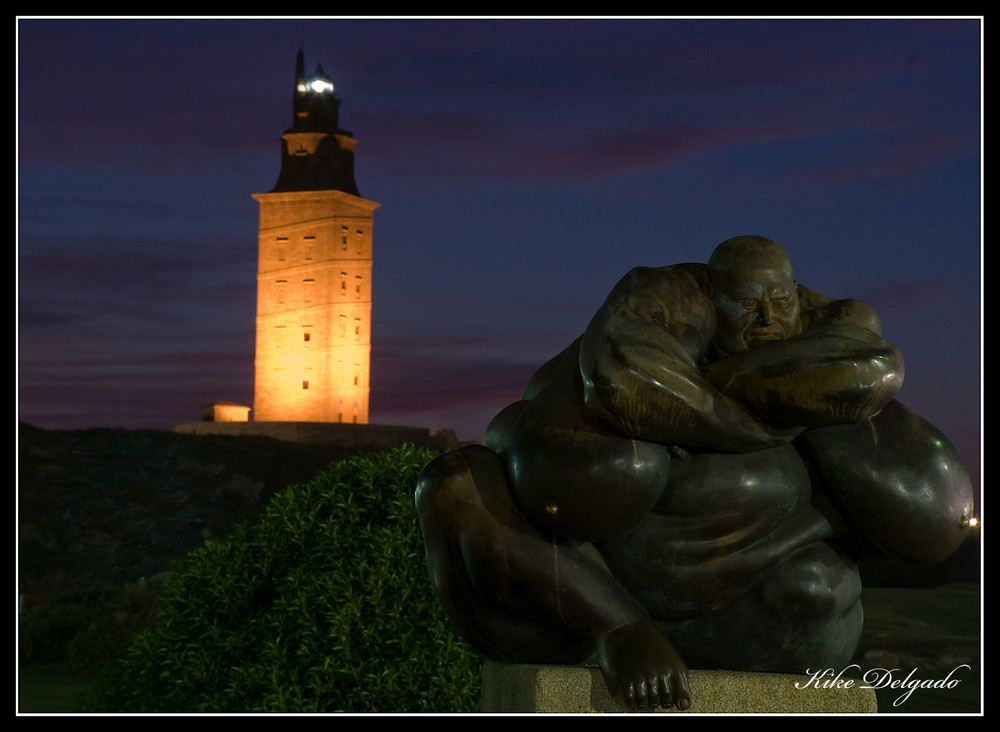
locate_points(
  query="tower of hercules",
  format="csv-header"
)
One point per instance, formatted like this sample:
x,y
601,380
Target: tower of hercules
x,y
314,273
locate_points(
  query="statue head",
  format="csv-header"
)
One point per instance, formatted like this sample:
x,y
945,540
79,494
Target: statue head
x,y
754,293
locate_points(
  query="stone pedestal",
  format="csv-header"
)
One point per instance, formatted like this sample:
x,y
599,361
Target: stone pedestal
x,y
581,689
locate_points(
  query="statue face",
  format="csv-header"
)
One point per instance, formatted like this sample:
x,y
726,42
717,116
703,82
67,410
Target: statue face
x,y
755,305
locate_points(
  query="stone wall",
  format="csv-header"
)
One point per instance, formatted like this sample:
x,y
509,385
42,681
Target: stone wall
x,y
350,437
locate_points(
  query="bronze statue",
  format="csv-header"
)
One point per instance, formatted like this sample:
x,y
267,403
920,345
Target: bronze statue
x,y
693,481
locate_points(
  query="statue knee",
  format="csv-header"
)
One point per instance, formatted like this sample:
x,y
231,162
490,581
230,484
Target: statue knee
x,y
445,486
586,486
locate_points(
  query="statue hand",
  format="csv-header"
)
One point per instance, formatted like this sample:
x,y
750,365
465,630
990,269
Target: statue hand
x,y
642,668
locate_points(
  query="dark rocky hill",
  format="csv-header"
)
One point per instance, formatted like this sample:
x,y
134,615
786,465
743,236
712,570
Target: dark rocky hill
x,y
106,506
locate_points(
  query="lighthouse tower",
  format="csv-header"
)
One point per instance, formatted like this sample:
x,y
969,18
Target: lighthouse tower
x,y
314,272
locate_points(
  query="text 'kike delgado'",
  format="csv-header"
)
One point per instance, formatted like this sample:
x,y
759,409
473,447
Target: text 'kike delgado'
x,y
879,678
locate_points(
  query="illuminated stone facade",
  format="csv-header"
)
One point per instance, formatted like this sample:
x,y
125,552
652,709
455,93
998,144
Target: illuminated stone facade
x,y
314,275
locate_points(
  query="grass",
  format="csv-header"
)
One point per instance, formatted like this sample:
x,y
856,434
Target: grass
x,y
50,690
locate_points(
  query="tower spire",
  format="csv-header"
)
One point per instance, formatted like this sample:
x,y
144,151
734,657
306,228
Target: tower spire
x,y
300,83
315,106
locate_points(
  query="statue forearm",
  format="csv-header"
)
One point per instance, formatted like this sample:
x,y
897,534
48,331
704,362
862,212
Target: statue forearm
x,y
838,374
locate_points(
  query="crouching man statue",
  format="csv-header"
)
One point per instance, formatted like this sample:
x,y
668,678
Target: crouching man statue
x,y
692,483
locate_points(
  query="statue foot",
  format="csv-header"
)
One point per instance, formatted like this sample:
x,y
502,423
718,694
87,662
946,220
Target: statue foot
x,y
641,667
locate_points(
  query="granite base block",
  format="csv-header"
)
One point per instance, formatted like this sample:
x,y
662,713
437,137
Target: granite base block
x,y
523,688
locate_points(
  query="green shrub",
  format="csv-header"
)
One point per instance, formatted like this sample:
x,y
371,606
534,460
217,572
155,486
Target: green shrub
x,y
323,605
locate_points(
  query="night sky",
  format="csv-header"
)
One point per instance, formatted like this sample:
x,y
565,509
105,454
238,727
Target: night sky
x,y
522,167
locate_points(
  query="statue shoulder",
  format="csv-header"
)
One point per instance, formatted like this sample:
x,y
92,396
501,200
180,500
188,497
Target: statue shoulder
x,y
676,293
666,305
688,277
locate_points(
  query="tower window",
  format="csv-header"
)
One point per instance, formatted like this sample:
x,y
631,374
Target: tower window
x,y
305,384
305,336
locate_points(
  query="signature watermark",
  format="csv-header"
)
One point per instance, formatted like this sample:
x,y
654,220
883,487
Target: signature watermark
x,y
879,678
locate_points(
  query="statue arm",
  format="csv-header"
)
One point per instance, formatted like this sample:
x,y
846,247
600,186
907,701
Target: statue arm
x,y
639,361
839,370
